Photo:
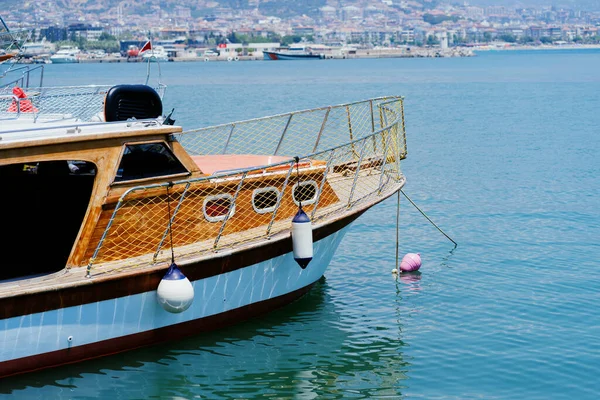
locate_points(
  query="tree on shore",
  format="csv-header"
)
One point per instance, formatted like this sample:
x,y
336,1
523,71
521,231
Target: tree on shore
x,y
508,38
526,40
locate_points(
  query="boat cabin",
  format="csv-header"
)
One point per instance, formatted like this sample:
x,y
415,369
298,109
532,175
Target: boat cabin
x,y
56,180
64,183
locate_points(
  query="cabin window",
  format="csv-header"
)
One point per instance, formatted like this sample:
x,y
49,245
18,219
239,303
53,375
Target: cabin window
x,y
42,207
148,160
217,207
265,200
305,192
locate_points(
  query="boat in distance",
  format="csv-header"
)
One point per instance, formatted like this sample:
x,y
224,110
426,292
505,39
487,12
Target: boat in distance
x,y
292,53
66,55
140,232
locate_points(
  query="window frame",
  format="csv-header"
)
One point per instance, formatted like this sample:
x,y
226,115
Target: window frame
x,y
265,210
219,218
305,183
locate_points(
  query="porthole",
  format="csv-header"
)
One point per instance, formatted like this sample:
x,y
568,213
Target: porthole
x,y
216,208
305,192
264,200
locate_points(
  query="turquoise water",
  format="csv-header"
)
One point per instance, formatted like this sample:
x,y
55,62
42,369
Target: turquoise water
x,y
503,152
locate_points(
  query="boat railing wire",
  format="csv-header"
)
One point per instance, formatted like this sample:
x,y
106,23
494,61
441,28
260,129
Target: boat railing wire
x,y
12,40
337,159
54,103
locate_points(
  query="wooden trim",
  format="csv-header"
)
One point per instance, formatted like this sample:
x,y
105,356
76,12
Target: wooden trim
x,y
193,227
120,286
119,132
147,338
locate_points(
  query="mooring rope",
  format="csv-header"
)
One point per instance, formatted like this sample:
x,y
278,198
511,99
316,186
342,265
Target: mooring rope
x,y
170,226
397,230
428,219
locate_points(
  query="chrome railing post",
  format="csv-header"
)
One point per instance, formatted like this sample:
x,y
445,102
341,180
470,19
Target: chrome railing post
x,y
283,133
171,222
401,100
287,178
322,129
373,125
383,165
104,234
228,138
362,151
231,209
322,185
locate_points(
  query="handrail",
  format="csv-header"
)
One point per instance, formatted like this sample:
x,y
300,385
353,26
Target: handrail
x,y
367,175
24,78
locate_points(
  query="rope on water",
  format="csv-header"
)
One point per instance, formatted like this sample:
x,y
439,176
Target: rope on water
x,y
428,219
397,229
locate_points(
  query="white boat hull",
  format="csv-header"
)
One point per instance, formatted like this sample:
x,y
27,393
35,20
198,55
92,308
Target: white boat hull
x,y
61,336
272,55
64,60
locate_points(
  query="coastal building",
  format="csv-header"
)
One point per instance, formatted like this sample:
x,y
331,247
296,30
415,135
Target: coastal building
x,y
54,34
350,13
407,36
85,31
233,50
328,13
303,30
475,13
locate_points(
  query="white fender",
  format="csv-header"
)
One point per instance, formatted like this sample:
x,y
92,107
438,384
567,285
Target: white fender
x,y
302,242
175,292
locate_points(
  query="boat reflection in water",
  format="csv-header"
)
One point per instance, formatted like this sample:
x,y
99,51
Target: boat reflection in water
x,y
249,359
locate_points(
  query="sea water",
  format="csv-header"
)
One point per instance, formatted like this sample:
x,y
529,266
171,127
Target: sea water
x,y
502,155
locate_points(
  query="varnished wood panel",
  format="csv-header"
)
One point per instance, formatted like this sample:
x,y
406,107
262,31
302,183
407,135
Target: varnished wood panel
x,y
190,224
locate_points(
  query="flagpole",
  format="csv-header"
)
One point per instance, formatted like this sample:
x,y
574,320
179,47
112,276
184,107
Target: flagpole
x,y
146,47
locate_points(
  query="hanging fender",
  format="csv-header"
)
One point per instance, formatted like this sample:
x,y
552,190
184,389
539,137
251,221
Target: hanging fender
x,y
302,241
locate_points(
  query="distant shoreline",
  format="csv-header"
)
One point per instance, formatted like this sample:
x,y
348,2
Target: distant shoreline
x,y
539,47
414,52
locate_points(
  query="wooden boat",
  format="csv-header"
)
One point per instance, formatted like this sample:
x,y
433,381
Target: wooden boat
x,y
101,198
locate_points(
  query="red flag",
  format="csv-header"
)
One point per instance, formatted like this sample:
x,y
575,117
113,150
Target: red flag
x,y
146,47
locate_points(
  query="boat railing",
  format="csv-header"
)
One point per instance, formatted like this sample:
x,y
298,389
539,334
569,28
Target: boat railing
x,y
300,132
22,76
360,167
12,40
81,103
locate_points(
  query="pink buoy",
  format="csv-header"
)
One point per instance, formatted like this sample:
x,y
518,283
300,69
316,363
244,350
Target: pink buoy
x,y
410,262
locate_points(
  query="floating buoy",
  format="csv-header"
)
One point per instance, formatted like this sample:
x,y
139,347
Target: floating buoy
x,y
302,242
237,58
229,58
175,291
410,262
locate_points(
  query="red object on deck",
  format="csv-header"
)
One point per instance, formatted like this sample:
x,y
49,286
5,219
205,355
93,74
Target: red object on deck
x,y
24,105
